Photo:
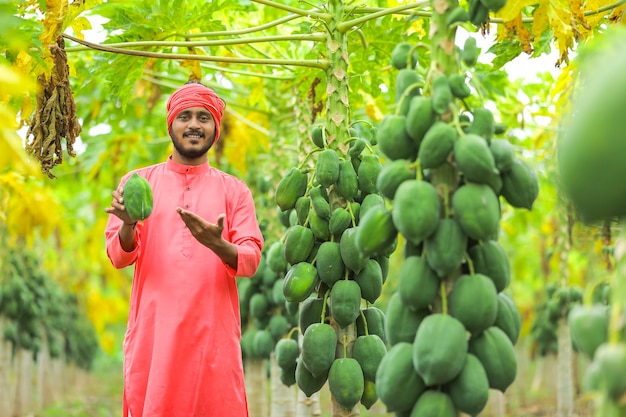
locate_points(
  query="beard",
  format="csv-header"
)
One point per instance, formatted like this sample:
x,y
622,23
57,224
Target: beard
x,y
190,153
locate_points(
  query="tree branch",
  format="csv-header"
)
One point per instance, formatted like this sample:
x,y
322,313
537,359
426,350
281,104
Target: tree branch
x,y
187,44
295,10
344,26
320,63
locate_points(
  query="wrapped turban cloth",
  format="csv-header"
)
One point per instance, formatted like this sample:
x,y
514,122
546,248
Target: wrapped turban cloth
x,y
195,95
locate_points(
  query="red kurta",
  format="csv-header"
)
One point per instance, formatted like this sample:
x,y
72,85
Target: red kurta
x,y
181,349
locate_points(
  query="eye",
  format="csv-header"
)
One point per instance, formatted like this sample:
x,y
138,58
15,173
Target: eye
x,y
205,119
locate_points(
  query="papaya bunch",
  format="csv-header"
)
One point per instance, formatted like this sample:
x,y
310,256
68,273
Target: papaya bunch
x,y
336,254
448,170
557,303
266,317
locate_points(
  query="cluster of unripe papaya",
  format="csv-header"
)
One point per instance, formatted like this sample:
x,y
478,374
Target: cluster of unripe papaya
x,y
35,309
557,303
451,325
337,260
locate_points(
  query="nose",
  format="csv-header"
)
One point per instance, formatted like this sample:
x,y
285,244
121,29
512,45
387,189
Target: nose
x,y
194,122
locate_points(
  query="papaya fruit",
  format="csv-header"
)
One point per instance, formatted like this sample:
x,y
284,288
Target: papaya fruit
x,y
346,382
317,136
393,139
439,349
503,154
352,257
329,264
418,284
347,185
408,85
369,350
520,186
458,86
419,118
286,352
298,244
319,202
591,148
589,327
470,52
371,320
611,360
287,376
488,258
327,167
310,312
457,15
434,404
367,173
292,186
392,174
479,13
437,145
369,397
368,202
370,280
476,317
259,305
508,319
278,326
400,56
474,158
401,322
493,5
495,351
415,211
340,220
477,210
469,391
277,296
303,205
395,374
441,94
299,282
483,124
376,231
345,302
356,146
318,348
263,344
138,199
319,226
445,248
308,383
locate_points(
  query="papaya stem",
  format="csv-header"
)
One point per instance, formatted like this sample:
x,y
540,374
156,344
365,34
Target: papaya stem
x,y
293,329
444,297
470,264
367,332
323,317
406,94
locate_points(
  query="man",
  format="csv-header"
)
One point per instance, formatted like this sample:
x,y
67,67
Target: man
x,y
182,356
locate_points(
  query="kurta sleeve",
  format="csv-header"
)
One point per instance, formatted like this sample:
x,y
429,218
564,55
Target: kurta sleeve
x,y
245,235
118,256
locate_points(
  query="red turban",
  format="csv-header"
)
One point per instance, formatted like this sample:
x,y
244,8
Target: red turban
x,y
195,95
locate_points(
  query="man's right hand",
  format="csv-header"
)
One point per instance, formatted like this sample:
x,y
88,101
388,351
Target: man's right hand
x,y
117,207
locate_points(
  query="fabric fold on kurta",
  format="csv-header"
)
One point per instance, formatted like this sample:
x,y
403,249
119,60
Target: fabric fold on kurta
x,y
182,355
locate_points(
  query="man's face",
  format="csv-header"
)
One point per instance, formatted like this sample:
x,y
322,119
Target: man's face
x,y
193,132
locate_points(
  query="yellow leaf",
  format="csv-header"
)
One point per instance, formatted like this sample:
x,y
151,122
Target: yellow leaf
x,y
78,25
513,8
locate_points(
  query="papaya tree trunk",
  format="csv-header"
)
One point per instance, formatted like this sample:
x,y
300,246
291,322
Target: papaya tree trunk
x,y
23,383
5,376
283,398
44,371
256,388
565,388
308,406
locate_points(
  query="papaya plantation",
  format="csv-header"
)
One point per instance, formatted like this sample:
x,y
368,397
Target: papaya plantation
x,y
438,184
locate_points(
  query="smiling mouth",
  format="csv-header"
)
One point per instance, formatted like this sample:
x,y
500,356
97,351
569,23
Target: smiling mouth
x,y
193,135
